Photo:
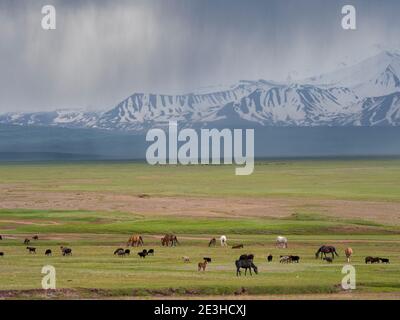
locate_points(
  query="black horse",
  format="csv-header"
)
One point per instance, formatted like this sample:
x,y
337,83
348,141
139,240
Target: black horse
x,y
245,264
324,250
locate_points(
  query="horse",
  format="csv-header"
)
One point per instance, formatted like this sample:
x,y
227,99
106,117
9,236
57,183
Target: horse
x,y
348,252
169,239
372,260
35,237
223,241
202,265
281,242
31,249
212,242
246,257
384,260
135,241
324,250
245,264
239,246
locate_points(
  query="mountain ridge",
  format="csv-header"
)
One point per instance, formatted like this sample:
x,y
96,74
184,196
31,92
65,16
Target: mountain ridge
x,y
365,94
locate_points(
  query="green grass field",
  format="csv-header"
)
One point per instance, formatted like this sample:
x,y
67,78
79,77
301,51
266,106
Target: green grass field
x,y
351,179
94,272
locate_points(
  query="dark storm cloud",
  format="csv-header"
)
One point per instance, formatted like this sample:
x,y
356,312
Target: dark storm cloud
x,y
103,51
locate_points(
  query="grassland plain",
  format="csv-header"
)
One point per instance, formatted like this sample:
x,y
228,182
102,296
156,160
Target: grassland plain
x,y
28,191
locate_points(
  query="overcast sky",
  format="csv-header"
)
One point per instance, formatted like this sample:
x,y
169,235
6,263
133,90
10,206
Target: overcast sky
x,y
103,51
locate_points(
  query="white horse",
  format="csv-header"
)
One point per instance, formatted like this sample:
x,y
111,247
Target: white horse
x,y
281,242
223,241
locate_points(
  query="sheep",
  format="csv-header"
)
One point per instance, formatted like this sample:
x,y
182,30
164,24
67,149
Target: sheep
x,y
186,259
118,250
66,251
48,252
328,259
269,258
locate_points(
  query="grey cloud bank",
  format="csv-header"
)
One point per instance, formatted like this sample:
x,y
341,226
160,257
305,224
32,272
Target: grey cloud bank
x,y
103,51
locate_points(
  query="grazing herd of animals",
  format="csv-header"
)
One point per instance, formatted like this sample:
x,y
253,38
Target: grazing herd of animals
x,y
245,261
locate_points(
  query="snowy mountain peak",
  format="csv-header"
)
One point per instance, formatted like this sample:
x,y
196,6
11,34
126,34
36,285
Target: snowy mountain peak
x,y
367,93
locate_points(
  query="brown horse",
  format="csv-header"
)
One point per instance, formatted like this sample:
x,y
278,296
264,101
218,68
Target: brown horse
x,y
135,241
169,239
212,242
202,265
348,252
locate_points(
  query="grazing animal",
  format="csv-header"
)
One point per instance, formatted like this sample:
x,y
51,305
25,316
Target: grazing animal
x,y
238,246
285,259
384,260
150,252
48,252
127,252
295,259
26,241
246,257
118,250
245,264
142,254
31,249
324,250
207,259
121,253
202,265
223,241
169,240
269,258
212,243
185,259
1,254
348,252
35,237
66,251
1,238
328,259
135,241
372,260
281,242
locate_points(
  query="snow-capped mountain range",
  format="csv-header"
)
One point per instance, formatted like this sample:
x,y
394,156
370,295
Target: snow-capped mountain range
x,y
365,94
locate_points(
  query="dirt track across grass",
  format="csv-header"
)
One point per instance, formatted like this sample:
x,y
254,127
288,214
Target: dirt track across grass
x,y
376,211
